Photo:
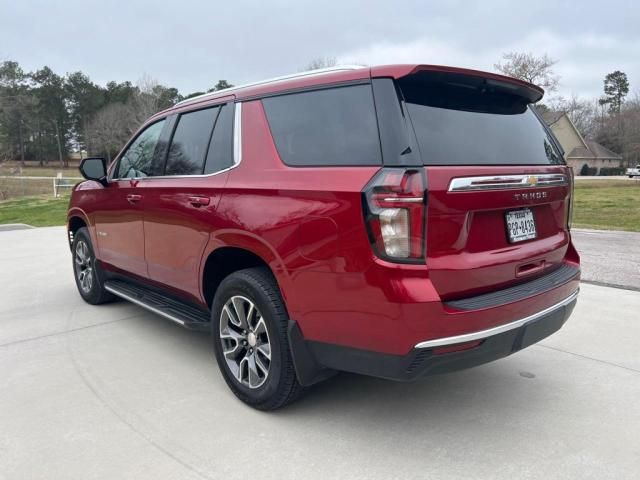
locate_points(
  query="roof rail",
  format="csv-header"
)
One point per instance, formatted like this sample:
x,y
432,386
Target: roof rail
x,y
308,73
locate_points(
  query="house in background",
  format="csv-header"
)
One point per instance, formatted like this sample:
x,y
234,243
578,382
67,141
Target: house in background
x,y
579,152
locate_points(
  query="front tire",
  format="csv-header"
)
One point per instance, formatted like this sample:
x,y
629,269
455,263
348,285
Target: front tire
x,y
249,324
87,272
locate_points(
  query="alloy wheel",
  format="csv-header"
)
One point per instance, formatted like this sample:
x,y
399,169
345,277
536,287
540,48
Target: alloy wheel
x,y
84,266
245,341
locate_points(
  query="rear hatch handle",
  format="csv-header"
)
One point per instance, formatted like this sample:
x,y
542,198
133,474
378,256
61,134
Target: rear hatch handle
x,y
530,268
199,201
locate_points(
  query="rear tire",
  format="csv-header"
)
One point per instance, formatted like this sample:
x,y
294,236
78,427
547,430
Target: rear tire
x,y
86,270
249,326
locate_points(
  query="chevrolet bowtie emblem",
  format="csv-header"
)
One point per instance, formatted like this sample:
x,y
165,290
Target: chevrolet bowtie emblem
x,y
532,181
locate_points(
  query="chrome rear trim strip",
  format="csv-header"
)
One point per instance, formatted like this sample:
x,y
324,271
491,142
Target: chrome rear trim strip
x,y
490,332
404,199
505,182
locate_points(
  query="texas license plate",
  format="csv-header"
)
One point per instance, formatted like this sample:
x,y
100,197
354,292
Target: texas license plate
x,y
520,225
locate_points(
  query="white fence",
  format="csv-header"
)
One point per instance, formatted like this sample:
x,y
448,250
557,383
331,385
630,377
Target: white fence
x,y
12,186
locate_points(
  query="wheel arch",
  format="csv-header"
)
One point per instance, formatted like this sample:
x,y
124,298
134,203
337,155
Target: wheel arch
x,y
75,221
234,250
225,260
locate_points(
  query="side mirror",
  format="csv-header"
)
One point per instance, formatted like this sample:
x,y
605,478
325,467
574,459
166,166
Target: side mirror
x,y
94,168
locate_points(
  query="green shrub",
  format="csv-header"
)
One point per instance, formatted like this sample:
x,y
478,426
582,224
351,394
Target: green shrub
x,y
586,171
611,171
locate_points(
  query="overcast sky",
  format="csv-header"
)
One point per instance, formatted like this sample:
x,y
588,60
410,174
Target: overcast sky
x,y
190,44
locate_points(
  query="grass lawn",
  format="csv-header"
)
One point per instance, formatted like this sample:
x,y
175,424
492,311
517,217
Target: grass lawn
x,y
598,204
607,205
52,170
36,211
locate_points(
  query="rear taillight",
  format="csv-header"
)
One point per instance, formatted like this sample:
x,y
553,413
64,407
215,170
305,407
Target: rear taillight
x,y
394,202
571,193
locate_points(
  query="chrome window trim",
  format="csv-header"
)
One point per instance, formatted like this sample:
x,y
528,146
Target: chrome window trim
x,y
237,135
237,153
490,332
309,73
506,182
203,175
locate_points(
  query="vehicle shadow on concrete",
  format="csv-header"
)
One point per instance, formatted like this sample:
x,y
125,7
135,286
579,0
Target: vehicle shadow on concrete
x,y
503,382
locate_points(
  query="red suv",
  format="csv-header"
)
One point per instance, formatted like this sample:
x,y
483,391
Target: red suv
x,y
396,221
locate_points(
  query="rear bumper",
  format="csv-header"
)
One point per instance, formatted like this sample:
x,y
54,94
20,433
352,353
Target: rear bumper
x,y
390,308
495,331
425,358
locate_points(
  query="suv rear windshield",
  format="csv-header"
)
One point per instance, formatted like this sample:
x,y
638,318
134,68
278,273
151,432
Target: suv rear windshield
x,y
471,123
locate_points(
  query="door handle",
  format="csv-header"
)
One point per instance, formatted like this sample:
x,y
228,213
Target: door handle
x,y
133,198
199,201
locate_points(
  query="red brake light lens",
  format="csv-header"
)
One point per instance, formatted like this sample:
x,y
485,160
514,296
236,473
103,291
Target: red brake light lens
x,y
394,203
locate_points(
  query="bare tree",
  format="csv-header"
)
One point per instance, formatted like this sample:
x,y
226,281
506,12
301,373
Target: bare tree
x,y
146,102
150,97
630,132
111,127
532,69
581,112
320,62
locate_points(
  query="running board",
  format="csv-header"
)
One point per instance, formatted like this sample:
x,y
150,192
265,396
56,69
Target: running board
x,y
175,310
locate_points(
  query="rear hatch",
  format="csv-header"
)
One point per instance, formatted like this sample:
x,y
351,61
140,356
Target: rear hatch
x,y
498,188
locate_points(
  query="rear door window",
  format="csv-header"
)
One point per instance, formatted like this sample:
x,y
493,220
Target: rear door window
x,y
190,142
458,124
220,154
335,126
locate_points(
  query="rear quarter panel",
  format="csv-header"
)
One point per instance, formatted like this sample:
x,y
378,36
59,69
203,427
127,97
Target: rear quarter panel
x,y
306,223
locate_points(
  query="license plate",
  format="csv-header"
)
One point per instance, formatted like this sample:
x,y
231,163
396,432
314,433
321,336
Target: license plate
x,y
520,225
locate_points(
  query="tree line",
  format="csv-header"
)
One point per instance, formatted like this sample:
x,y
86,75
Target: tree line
x,y
44,115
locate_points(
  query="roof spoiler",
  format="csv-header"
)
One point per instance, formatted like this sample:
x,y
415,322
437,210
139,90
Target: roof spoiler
x,y
476,78
528,92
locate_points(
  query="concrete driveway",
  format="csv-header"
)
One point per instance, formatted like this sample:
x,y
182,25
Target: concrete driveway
x,y
115,392
609,257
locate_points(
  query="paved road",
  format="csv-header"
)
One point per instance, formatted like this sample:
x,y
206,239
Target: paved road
x,y
607,177
609,257
116,392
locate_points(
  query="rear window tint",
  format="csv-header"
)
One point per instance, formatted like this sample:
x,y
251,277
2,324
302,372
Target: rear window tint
x,y
220,155
335,126
190,141
461,125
